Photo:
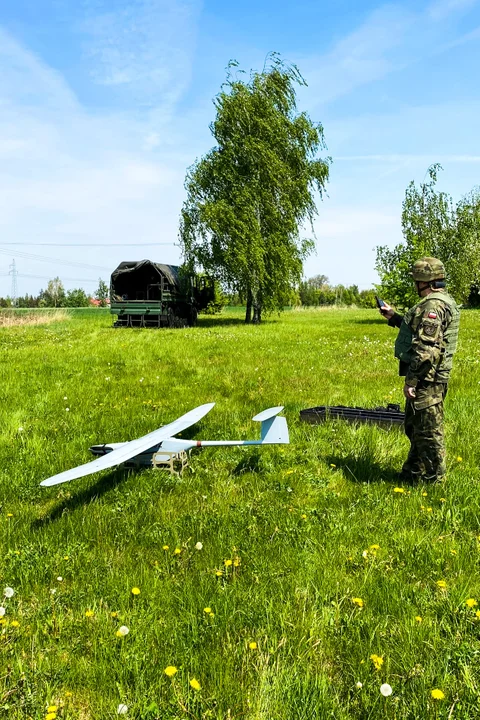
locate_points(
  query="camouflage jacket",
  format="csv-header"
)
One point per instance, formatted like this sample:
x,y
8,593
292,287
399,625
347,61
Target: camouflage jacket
x,y
427,339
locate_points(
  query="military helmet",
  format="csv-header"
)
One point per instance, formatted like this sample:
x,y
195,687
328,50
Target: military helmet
x,y
428,269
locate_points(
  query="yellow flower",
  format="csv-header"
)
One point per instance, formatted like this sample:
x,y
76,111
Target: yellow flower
x,y
374,547
418,618
471,602
52,708
252,645
304,517
207,610
66,557
398,490
429,509
114,614
333,465
453,552
442,500
441,584
212,615
459,459
236,562
166,547
15,623
195,684
424,494
89,613
9,515
477,613
219,573
135,591
177,551
68,694
357,601
170,671
50,716
377,661
227,563
438,694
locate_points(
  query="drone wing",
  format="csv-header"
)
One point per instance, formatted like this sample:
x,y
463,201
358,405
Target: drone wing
x,y
131,449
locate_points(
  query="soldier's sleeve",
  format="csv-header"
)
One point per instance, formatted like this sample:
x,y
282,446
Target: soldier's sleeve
x,y
428,330
395,320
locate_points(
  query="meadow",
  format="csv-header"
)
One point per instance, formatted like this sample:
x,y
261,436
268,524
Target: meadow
x,y
279,583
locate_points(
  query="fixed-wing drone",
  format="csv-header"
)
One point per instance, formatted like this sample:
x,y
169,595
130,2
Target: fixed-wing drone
x,y
160,447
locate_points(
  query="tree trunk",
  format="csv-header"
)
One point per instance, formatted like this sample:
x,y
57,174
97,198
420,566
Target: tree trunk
x,y
257,313
248,312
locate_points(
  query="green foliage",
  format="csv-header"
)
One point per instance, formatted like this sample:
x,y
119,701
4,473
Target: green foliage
x,y
54,295
248,196
303,519
318,291
102,293
76,298
433,226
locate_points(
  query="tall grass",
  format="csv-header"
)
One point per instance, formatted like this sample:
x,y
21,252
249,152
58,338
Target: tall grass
x,y
310,561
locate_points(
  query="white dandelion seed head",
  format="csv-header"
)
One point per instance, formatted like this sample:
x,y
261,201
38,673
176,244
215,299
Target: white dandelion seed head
x,y
9,592
386,689
67,409
198,546
122,709
2,611
53,591
359,685
65,398
20,429
123,630
60,578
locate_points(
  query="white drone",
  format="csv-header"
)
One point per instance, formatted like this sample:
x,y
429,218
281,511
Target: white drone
x,y
161,448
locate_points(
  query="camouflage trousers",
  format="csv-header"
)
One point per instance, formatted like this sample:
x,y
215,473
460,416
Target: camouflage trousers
x,y
424,429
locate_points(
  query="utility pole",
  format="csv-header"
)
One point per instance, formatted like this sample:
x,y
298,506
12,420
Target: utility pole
x,y
13,272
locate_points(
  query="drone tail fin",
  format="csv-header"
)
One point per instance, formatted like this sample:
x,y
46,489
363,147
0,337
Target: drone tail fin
x,y
274,429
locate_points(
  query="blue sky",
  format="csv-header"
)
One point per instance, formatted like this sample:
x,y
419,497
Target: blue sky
x,y
105,103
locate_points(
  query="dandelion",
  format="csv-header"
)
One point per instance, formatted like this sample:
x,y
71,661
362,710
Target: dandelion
x,y
67,409
219,573
170,671
68,694
52,708
212,615
358,601
374,547
60,578
442,500
386,689
459,459
477,613
2,611
20,429
377,661
441,584
89,613
9,592
122,631
332,465
53,591
166,547
424,494
438,694
66,557
135,591
199,546
252,645
122,709
227,563
418,618
50,716
236,562
471,602
195,684
359,685
177,551
9,515
365,554
15,623
304,517
65,398
398,490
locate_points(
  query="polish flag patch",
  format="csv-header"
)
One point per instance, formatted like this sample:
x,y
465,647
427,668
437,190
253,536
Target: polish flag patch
x,y
432,315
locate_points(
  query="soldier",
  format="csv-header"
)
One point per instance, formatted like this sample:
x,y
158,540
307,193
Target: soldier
x,y
425,346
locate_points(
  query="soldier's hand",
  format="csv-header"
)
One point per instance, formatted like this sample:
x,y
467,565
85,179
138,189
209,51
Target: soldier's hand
x,y
387,311
409,392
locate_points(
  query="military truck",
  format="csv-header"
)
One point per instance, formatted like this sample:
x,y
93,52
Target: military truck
x,y
149,294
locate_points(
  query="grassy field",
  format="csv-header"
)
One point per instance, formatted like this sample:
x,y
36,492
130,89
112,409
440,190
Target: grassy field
x,y
317,580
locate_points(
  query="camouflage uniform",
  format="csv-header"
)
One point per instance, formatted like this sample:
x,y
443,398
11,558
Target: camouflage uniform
x,y
425,347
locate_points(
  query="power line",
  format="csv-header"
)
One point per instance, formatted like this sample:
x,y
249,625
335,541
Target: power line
x,y
43,258
69,245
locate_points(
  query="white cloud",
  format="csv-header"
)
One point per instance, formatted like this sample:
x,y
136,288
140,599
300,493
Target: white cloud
x,y
441,9
69,176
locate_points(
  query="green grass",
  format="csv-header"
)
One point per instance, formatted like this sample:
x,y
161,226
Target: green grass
x,y
295,520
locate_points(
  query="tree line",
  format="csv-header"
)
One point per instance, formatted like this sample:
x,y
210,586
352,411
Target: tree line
x,y
55,295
